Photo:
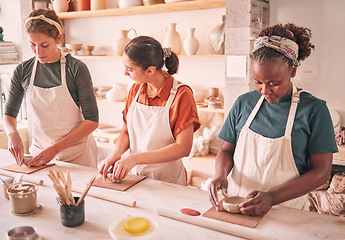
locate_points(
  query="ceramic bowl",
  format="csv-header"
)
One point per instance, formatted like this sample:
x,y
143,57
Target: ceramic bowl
x,y
89,49
22,233
26,159
231,204
117,231
130,3
75,47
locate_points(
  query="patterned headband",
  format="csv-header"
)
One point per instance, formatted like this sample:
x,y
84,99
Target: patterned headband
x,y
48,20
166,52
283,45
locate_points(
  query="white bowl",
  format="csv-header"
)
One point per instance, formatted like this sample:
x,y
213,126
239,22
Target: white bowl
x,y
130,3
231,204
117,231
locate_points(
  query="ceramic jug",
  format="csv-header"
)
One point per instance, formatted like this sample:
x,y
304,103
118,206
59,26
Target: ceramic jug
x,y
117,93
97,4
217,38
120,44
172,39
60,5
191,44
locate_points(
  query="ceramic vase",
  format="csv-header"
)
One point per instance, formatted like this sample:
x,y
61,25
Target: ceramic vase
x,y
217,38
97,4
172,39
60,5
191,44
117,93
120,43
84,5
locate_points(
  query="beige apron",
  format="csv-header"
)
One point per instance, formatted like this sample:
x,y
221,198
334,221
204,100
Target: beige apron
x,y
262,163
149,130
52,115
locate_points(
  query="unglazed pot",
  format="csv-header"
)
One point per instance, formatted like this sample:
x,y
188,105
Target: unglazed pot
x,y
24,199
97,4
117,93
120,44
172,39
60,5
217,38
191,44
84,5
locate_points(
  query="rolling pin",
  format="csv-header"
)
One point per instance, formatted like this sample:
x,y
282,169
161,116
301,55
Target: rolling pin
x,y
26,178
228,228
111,198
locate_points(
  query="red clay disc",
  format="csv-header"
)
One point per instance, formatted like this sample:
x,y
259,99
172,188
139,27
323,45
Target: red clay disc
x,y
190,212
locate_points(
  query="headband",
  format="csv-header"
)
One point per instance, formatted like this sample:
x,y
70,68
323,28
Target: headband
x,y
48,20
283,45
166,52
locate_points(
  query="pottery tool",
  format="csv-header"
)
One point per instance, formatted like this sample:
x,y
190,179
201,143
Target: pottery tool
x,y
228,228
69,188
86,190
27,178
7,187
18,178
63,192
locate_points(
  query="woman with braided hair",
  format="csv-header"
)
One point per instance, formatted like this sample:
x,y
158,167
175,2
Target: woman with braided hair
x,y
61,104
160,117
278,141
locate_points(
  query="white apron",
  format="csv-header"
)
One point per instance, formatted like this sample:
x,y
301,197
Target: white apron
x,y
262,163
149,130
53,114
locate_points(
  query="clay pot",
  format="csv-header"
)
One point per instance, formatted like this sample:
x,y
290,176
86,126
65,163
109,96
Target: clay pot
x,y
217,38
23,201
120,43
191,44
84,5
97,4
117,93
172,39
60,5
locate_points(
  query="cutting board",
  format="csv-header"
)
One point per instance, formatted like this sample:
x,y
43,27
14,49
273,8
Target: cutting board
x,y
236,218
25,169
129,181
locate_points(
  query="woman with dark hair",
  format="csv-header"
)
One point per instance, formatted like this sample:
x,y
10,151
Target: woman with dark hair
x,y
160,117
61,104
278,141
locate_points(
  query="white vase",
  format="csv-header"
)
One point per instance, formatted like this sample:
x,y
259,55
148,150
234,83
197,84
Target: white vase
x,y
217,38
120,43
117,93
172,39
191,44
60,5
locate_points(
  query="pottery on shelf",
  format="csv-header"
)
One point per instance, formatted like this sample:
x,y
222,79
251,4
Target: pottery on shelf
x,y
120,43
217,39
172,39
75,47
84,5
191,44
60,5
152,2
129,3
89,49
97,4
118,93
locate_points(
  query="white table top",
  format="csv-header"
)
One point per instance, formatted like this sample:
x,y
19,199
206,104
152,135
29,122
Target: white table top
x,y
150,195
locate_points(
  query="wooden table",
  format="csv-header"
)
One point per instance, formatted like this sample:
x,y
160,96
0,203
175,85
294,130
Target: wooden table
x,y
280,222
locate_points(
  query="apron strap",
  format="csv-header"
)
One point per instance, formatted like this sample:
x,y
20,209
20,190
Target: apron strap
x,y
253,113
293,108
173,92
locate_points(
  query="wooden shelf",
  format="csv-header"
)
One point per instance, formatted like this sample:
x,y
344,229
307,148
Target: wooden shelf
x,y
212,110
156,8
96,57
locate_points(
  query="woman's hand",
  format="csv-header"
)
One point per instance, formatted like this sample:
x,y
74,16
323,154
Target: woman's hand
x,y
258,204
123,167
107,165
218,183
16,147
44,157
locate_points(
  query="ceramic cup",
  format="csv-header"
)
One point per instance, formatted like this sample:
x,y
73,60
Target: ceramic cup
x,y
213,92
24,199
72,215
231,204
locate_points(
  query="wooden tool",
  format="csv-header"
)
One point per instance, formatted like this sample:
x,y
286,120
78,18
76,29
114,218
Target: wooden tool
x,y
86,190
8,188
228,228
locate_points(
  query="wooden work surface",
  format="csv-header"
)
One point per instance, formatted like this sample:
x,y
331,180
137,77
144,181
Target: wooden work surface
x,y
151,195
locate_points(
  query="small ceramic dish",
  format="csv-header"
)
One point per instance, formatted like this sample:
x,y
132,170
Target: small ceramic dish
x,y
109,176
231,204
117,230
22,233
26,159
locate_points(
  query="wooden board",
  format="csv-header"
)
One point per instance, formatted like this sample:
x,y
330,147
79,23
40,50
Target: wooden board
x,y
25,169
236,218
129,181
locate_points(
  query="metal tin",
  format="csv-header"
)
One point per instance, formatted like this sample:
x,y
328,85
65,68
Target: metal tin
x,y
22,233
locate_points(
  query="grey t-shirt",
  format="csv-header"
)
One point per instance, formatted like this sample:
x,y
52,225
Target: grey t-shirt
x,y
48,75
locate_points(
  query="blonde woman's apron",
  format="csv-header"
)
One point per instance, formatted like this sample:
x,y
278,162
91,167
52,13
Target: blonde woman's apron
x,y
53,114
262,163
149,130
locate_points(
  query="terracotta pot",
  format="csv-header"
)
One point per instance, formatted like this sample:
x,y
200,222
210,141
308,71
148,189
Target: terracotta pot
x,y
84,5
97,4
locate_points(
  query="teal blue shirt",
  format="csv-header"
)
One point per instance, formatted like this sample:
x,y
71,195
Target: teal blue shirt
x,y
312,129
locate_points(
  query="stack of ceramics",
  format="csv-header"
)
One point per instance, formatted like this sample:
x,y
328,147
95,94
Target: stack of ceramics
x,y
213,100
152,2
130,3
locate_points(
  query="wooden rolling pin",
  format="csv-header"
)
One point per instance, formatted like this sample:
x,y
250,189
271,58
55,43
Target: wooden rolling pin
x,y
111,198
26,177
228,228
